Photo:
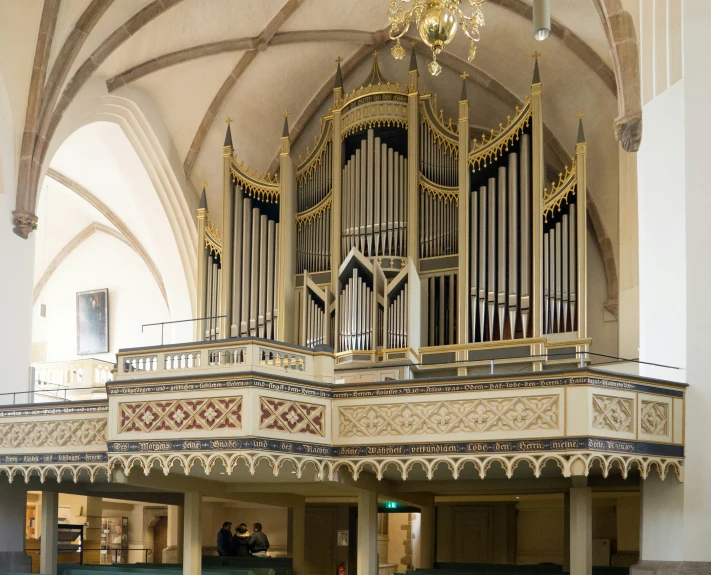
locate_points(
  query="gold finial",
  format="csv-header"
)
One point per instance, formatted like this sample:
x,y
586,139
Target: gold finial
x,y
464,75
339,60
204,184
413,43
286,113
580,114
536,55
375,53
228,120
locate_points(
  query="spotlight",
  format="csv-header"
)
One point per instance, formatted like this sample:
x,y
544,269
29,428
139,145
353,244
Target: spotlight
x,y
541,19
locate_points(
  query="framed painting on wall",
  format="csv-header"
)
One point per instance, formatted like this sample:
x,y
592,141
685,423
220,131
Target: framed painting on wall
x,y
93,322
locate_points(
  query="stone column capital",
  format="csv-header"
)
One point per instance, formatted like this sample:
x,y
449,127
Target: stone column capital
x,y
24,223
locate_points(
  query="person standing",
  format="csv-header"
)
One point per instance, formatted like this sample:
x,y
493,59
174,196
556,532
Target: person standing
x,y
258,542
241,545
224,540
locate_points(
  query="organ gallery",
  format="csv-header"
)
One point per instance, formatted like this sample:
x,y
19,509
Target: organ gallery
x,y
402,238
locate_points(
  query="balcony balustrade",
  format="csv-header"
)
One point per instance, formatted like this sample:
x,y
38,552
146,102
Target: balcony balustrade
x,y
222,402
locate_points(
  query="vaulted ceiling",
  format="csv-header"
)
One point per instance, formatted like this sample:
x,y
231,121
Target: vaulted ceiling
x,y
199,61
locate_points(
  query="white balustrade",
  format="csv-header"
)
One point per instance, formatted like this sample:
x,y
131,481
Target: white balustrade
x,y
218,356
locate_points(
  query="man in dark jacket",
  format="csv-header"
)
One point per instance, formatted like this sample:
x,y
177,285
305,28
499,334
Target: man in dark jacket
x,y
258,542
224,539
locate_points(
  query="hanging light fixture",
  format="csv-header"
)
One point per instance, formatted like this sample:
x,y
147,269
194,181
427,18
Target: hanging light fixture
x,y
437,22
541,19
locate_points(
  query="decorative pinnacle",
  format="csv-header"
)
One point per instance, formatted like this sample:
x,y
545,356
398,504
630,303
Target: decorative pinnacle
x,y
228,135
536,55
339,75
203,197
464,77
285,131
203,184
536,72
375,53
413,57
581,132
580,115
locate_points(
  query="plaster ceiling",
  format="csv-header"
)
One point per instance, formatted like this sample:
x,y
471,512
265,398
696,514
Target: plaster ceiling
x,y
575,73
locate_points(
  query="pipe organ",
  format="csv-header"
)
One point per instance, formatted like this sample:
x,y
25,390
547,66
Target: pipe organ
x,y
374,198
390,240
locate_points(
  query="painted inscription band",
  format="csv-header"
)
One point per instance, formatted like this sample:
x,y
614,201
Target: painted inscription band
x,y
54,458
524,446
395,391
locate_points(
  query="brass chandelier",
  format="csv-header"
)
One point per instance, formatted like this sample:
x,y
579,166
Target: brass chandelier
x,y
437,22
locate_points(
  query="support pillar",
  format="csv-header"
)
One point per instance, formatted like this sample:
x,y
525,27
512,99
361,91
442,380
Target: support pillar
x,y
192,534
297,537
367,533
580,528
170,553
427,529
566,532
13,505
48,541
92,533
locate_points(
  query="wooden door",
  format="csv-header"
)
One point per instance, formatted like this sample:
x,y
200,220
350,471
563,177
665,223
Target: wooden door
x,y
321,543
472,534
160,539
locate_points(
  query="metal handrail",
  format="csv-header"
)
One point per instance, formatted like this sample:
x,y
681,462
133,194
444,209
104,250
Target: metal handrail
x,y
31,393
566,354
162,324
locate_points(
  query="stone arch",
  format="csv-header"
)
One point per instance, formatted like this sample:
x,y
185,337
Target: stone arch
x,y
624,49
144,129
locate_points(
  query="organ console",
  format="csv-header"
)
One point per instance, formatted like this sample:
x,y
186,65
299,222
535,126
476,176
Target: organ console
x,y
398,237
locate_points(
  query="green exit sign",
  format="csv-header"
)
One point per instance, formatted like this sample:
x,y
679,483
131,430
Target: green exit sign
x,y
390,505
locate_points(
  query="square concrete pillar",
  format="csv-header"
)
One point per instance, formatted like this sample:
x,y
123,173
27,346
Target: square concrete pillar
x,y
48,541
566,532
192,534
367,533
297,538
580,531
427,529
13,505
171,553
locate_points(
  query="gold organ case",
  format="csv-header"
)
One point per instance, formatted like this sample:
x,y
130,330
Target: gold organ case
x,y
401,242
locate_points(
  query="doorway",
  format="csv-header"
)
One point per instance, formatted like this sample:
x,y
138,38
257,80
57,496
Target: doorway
x,y
472,541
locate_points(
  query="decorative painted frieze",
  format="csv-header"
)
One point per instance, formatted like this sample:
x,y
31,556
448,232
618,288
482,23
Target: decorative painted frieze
x,y
181,415
526,413
291,416
613,413
50,434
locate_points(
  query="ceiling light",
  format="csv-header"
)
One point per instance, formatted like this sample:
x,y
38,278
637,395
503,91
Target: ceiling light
x,y
437,21
541,19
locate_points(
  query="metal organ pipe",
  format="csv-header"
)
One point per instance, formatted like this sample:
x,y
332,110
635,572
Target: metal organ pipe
x,y
482,262
501,249
513,241
253,288
246,253
491,264
525,179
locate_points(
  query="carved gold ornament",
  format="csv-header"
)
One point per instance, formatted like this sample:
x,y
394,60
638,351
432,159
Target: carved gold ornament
x,y
437,22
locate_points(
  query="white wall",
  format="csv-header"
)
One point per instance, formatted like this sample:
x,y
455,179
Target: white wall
x,y
16,256
662,219
675,235
134,298
697,94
